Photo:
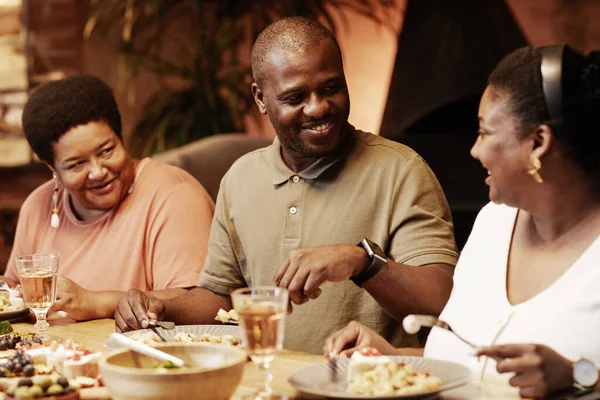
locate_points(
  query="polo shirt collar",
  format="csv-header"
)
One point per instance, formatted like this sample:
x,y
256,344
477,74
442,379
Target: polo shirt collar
x,y
282,173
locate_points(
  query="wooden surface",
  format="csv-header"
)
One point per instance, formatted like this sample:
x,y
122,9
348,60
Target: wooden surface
x,y
92,335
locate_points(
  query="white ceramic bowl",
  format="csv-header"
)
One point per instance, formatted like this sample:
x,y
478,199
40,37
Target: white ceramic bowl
x,y
215,373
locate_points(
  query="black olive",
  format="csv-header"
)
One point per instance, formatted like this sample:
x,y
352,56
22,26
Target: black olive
x,y
25,382
18,368
28,370
62,381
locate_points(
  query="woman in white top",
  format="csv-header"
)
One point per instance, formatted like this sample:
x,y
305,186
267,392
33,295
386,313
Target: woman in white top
x,y
526,285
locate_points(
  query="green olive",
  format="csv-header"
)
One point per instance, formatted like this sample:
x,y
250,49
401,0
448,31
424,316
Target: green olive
x,y
23,392
54,389
43,381
36,391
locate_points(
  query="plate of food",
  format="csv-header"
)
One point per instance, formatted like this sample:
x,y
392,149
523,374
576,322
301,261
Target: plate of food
x,y
381,377
11,307
221,334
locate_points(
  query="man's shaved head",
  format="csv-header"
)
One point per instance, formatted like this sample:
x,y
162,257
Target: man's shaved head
x,y
290,34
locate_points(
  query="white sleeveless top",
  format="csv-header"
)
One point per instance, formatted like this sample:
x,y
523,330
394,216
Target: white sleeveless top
x,y
565,316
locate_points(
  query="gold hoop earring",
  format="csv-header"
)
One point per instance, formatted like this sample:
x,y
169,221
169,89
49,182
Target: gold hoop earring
x,y
55,219
534,172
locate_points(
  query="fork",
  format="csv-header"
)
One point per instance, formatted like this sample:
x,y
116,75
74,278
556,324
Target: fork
x,y
333,367
153,324
416,321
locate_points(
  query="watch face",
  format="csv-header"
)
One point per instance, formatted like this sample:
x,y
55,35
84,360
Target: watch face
x,y
585,372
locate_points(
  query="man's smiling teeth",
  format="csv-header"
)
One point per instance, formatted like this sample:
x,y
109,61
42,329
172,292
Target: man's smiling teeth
x,y
319,128
489,173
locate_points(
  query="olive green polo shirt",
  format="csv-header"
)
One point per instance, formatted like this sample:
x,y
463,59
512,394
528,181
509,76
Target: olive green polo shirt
x,y
377,189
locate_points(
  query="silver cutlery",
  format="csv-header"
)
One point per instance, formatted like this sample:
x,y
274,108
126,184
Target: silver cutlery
x,y
161,324
333,368
4,286
413,322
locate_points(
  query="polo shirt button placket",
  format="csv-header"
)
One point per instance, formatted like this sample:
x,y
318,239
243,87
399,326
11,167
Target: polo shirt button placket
x,y
296,179
293,210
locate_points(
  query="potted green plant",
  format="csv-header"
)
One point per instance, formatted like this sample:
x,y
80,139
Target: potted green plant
x,y
208,57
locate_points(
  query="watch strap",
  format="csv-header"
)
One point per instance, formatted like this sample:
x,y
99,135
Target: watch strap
x,y
377,263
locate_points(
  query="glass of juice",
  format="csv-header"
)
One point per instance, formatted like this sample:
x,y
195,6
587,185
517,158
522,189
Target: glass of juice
x,y
37,273
262,313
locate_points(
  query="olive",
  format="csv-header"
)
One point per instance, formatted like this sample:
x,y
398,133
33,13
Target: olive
x,y
9,365
23,392
4,345
18,367
25,382
43,381
29,370
36,391
62,381
69,390
54,389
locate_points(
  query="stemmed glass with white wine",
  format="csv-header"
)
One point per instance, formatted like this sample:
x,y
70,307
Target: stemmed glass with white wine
x,y
37,273
262,313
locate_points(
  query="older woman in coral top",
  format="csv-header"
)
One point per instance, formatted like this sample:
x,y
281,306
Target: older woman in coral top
x,y
117,223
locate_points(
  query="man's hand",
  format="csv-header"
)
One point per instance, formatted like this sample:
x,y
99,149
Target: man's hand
x,y
305,270
78,302
135,309
538,370
355,336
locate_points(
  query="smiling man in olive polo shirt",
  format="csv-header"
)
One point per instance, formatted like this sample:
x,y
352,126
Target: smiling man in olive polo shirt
x,y
354,225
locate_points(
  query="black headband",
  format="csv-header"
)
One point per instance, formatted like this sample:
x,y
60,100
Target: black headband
x,y
551,68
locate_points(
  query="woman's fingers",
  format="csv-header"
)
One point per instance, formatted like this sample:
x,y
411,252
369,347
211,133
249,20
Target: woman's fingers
x,y
342,339
506,350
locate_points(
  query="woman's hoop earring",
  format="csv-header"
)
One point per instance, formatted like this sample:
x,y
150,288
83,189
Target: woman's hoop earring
x,y
55,219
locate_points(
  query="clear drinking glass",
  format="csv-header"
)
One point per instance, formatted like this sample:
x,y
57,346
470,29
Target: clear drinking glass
x,y
262,312
37,273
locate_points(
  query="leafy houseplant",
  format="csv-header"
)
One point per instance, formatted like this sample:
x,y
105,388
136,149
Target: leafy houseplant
x,y
197,44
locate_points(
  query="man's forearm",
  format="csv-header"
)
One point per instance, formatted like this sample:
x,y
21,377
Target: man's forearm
x,y
403,289
105,302
197,306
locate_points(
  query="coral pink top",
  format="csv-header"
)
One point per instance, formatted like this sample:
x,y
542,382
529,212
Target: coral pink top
x,y
156,238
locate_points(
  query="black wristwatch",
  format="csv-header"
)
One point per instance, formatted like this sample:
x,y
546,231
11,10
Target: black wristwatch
x,y
378,261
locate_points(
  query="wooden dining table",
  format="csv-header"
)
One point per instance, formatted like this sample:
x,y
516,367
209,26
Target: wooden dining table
x,y
93,334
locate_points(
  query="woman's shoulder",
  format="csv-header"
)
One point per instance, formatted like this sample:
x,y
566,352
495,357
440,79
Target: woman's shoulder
x,y
40,198
162,179
165,175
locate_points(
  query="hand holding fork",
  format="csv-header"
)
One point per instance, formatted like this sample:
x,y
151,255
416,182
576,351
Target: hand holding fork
x,y
413,322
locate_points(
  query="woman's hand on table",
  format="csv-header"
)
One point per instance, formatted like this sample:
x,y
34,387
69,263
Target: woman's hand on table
x,y
135,309
353,337
538,370
79,303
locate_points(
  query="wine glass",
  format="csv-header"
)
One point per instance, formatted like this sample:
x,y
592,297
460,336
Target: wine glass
x,y
262,313
37,273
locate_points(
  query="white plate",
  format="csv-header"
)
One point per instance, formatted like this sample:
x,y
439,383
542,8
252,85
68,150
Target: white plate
x,y
198,330
316,379
8,315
